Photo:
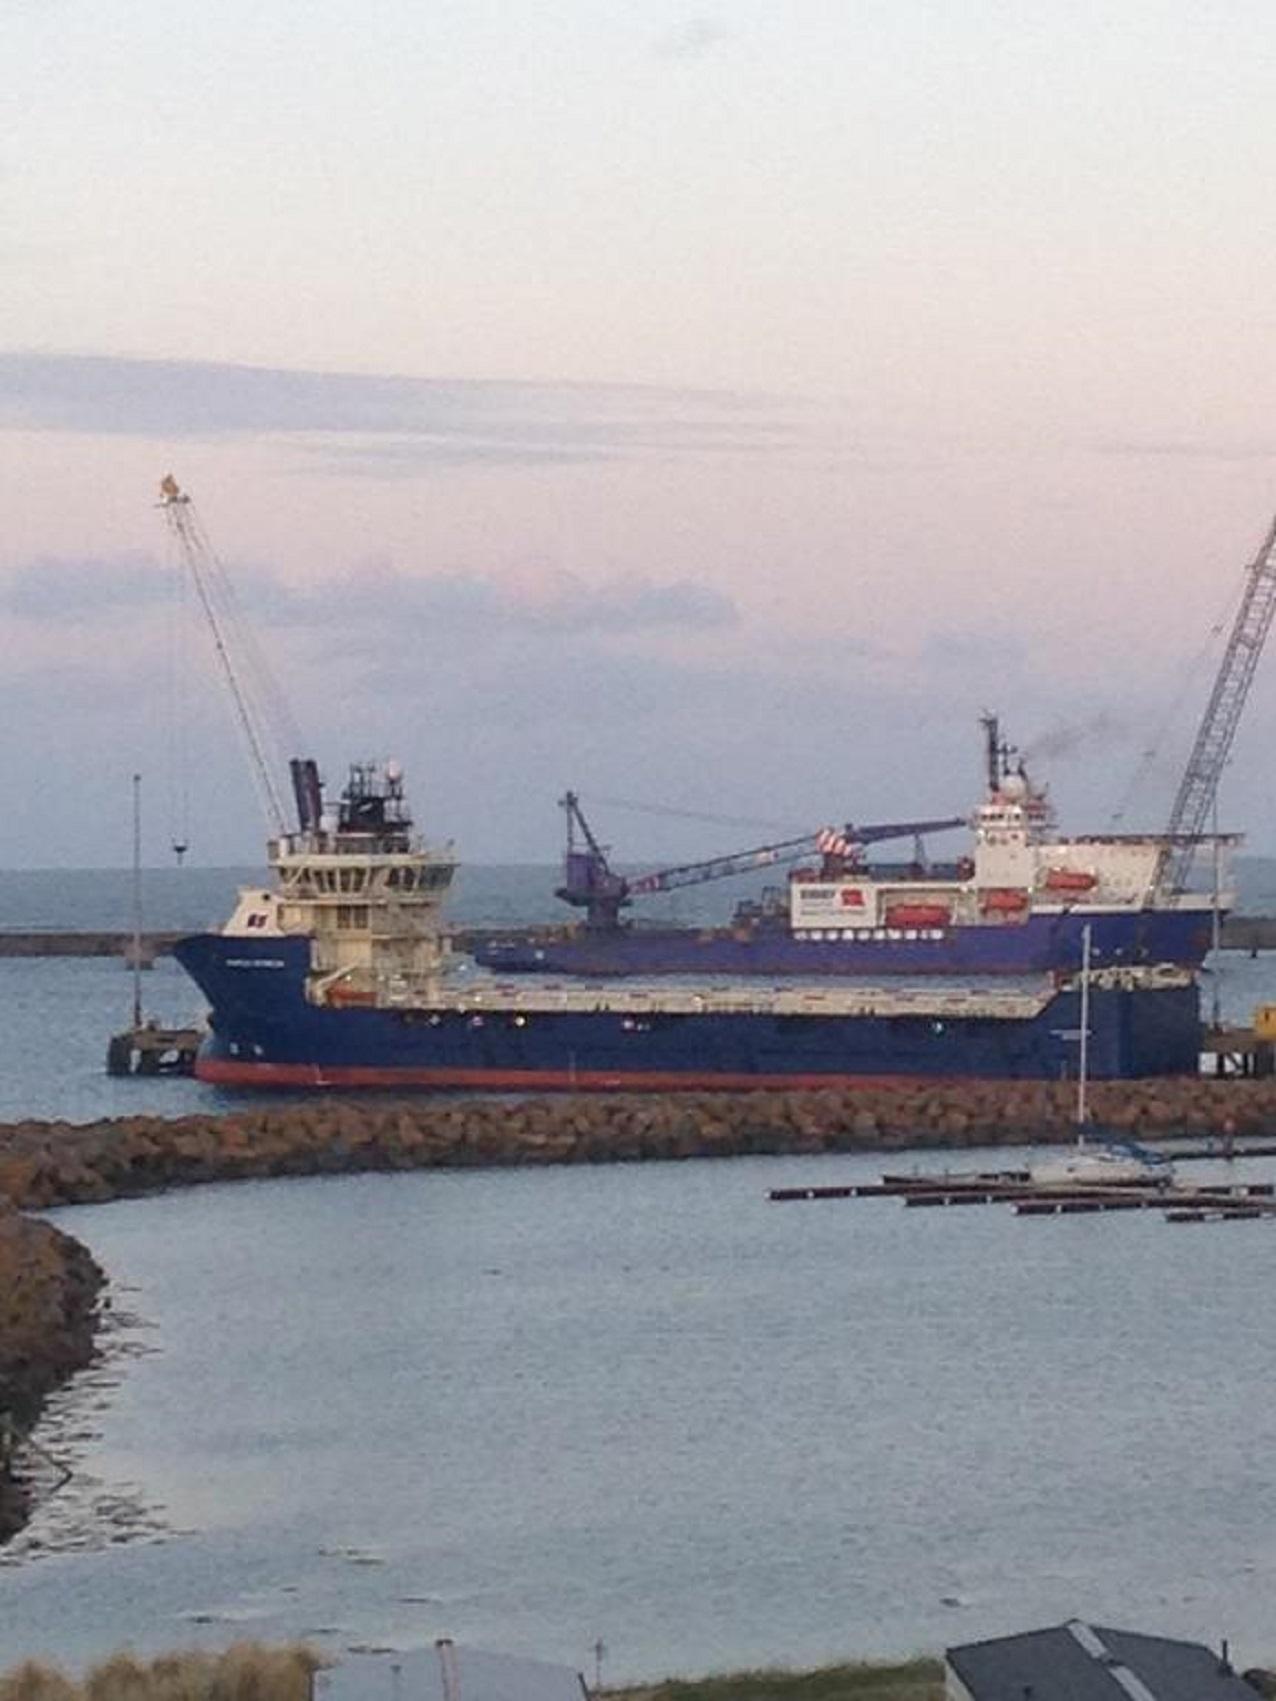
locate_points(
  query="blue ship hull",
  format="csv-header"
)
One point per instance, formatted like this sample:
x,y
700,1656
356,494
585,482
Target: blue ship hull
x,y
1041,944
265,1032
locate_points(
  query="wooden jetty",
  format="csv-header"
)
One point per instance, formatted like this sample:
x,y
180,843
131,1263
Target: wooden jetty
x,y
1181,1202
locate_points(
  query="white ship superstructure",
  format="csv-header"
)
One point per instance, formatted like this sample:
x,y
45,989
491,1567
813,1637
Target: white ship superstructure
x,y
363,888
1019,868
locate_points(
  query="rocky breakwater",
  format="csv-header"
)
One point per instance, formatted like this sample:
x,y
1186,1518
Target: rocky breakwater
x,y
49,1288
46,1164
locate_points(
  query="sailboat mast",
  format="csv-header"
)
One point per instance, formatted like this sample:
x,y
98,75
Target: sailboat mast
x,y
137,900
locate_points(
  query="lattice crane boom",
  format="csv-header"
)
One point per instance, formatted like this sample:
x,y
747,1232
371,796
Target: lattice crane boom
x,y
197,556
1199,785
590,883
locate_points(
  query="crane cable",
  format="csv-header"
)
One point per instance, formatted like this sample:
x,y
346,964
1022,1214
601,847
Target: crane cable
x,y
695,814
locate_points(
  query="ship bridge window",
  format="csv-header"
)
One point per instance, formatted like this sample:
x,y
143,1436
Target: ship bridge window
x,y
405,878
352,916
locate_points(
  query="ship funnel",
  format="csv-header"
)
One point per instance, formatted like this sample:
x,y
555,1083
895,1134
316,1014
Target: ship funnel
x,y
308,793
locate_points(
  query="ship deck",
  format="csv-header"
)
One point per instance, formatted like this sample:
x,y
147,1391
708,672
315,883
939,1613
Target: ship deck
x,y
669,998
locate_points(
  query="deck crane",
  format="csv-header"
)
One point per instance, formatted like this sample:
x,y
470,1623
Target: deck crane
x,y
233,647
590,883
1199,785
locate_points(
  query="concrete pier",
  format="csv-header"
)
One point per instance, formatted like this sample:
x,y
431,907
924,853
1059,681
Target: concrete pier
x,y
48,943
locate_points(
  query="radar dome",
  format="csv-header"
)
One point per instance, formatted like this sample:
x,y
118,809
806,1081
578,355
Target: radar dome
x,y
1014,787
393,771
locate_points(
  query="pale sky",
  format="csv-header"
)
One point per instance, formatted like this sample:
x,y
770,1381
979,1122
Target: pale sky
x,y
709,405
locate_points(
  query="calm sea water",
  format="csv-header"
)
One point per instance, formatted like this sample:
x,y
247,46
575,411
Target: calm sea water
x,y
638,1403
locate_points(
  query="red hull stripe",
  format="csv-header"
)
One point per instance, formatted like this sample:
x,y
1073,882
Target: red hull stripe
x,y
234,1072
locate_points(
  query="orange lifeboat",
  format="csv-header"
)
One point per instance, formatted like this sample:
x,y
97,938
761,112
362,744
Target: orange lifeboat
x,y
918,915
345,996
1070,880
1004,900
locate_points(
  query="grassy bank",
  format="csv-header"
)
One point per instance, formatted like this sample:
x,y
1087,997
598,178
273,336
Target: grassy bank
x,y
246,1672
252,1671
912,1680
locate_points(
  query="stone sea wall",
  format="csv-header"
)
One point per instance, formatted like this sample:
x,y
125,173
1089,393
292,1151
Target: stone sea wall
x,y
49,1285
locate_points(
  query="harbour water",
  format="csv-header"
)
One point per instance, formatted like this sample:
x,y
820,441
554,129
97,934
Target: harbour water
x,y
638,1403
642,1403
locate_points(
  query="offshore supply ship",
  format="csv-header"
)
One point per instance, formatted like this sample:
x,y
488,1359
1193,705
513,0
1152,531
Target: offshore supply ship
x,y
1018,904
340,974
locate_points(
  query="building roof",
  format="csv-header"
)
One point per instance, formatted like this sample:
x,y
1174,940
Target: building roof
x,y
417,1675
1084,1662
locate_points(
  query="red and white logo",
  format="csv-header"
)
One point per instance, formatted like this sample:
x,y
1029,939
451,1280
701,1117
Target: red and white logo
x,y
829,842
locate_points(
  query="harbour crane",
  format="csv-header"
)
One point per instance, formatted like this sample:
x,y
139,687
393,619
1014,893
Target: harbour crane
x,y
253,693
1199,786
590,883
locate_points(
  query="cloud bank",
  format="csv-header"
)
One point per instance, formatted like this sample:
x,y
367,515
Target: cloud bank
x,y
381,424
380,601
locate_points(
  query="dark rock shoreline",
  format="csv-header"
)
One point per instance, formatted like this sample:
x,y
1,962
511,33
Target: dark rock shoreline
x,y
50,1286
49,1290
